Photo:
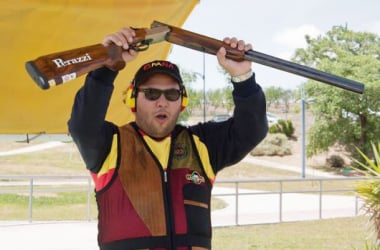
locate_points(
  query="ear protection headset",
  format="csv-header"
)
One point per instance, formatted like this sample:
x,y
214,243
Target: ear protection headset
x,y
131,93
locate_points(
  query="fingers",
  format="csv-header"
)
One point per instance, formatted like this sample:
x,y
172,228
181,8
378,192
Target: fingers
x,y
122,38
237,44
234,68
221,56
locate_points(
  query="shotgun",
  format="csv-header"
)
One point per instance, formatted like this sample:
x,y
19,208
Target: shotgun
x,y
57,68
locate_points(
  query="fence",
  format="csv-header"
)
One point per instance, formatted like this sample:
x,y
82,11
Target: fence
x,y
248,201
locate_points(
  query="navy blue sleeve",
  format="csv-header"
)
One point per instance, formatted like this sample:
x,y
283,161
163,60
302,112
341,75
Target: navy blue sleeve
x,y
230,141
87,125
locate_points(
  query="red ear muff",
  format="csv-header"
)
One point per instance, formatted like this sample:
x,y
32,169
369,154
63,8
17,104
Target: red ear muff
x,y
130,98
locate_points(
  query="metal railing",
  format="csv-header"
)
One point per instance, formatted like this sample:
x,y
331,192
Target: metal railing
x,y
33,185
244,201
260,201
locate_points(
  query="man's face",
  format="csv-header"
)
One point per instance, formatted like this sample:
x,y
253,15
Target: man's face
x,y
158,117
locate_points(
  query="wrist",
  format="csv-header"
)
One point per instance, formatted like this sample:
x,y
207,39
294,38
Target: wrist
x,y
242,77
104,75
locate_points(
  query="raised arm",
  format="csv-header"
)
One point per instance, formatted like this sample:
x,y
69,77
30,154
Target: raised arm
x,y
92,134
229,141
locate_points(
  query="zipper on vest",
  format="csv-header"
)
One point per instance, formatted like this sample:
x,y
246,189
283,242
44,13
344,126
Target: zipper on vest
x,y
165,176
169,211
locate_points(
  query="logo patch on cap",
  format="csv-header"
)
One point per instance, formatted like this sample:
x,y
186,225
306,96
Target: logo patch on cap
x,y
157,67
164,64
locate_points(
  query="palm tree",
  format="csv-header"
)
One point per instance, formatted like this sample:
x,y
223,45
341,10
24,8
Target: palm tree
x,y
369,190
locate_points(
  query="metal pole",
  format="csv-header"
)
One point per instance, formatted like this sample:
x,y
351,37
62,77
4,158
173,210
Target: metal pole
x,y
236,203
204,87
89,192
320,199
280,201
203,75
356,205
303,131
31,200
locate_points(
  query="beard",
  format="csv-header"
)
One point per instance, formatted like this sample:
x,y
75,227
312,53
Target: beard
x,y
156,126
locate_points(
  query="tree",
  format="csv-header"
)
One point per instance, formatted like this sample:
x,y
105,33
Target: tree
x,y
277,95
221,98
273,95
216,98
195,97
342,117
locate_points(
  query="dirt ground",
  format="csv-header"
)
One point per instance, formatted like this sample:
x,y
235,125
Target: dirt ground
x,y
296,157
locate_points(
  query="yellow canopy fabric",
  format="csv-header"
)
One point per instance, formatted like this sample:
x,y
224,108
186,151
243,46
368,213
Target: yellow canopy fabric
x,y
32,28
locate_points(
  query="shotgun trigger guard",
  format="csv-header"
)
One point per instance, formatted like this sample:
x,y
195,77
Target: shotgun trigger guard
x,y
141,46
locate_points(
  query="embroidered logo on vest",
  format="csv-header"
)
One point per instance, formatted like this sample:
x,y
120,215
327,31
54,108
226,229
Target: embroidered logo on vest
x,y
195,177
180,151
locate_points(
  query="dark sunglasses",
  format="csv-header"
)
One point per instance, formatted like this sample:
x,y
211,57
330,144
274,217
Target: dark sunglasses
x,y
153,94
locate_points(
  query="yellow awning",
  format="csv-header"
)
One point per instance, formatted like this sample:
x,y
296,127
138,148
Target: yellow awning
x,y
31,28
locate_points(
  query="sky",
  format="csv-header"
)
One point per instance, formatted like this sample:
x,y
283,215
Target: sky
x,y
273,27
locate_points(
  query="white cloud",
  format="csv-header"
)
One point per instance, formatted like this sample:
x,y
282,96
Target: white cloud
x,y
294,38
373,27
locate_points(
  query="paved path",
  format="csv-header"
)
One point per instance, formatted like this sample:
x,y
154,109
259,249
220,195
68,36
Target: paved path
x,y
33,148
267,207
49,236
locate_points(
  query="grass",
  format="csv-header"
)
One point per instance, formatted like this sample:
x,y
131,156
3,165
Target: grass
x,y
61,160
342,233
52,206
56,206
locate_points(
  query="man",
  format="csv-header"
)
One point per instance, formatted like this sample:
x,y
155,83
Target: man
x,y
153,178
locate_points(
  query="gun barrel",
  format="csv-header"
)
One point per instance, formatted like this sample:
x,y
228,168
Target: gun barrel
x,y
304,71
210,45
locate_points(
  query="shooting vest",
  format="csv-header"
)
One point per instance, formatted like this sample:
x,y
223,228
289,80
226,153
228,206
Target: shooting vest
x,y
142,205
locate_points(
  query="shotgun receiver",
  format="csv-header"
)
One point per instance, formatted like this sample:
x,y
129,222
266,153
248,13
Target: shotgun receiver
x,y
60,67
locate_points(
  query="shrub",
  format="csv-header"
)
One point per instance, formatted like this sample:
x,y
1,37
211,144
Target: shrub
x,y
273,144
335,161
284,127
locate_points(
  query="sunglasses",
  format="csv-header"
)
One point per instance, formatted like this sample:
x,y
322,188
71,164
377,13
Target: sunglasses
x,y
153,94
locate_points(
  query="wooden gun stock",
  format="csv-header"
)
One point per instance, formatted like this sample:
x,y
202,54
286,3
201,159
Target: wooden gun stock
x,y
60,67
57,68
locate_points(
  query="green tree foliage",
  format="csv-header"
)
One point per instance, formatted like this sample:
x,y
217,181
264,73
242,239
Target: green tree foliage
x,y
276,95
195,97
343,117
195,101
216,98
219,98
273,95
